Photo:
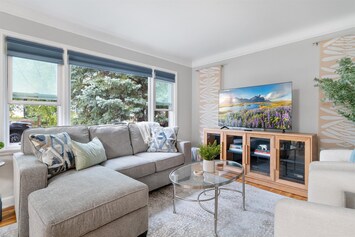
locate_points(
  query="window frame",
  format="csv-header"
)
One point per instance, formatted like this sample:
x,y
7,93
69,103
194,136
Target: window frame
x,y
64,86
172,110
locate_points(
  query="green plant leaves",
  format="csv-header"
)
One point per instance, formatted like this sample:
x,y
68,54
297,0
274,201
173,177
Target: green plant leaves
x,y
342,91
209,151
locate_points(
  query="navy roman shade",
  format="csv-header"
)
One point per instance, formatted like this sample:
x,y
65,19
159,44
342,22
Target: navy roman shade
x,y
164,76
30,50
85,60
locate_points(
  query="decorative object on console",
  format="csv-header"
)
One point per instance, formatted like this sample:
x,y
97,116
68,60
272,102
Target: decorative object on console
x,y
208,153
88,154
163,139
54,150
335,131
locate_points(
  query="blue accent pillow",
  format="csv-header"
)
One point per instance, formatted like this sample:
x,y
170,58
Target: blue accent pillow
x,y
352,156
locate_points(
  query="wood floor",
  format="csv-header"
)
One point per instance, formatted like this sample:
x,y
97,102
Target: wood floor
x,y
9,217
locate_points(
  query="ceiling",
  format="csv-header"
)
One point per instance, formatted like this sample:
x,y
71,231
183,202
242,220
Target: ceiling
x,y
191,32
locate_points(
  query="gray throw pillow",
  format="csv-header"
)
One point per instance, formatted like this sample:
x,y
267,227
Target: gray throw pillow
x,y
54,150
88,154
163,139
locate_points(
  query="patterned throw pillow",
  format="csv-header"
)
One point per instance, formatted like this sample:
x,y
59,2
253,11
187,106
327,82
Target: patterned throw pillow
x,y
163,139
55,150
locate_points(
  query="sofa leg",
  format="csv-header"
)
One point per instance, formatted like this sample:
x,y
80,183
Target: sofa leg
x,y
144,234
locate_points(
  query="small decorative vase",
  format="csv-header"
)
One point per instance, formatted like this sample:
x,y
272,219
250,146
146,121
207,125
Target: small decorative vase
x,y
208,166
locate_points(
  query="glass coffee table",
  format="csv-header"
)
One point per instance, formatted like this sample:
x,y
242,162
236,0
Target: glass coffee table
x,y
191,176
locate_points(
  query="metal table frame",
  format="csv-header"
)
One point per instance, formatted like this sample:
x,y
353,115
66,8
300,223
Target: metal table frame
x,y
213,187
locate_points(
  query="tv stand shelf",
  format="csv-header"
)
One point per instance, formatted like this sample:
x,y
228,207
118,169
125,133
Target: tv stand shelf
x,y
274,159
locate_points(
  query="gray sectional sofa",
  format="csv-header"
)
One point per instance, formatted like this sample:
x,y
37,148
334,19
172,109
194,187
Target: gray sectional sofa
x,y
110,199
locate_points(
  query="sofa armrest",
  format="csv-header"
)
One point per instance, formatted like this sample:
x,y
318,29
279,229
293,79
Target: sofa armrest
x,y
185,148
294,218
335,155
29,175
333,187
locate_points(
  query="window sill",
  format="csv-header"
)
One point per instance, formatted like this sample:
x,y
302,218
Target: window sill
x,y
9,151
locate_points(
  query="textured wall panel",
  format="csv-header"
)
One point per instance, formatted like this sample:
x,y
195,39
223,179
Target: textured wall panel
x,y
334,130
209,86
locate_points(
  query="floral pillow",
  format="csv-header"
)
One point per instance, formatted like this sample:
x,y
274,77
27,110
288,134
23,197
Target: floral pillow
x,y
163,139
55,150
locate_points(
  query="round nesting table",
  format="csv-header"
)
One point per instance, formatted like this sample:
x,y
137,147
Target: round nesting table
x,y
191,177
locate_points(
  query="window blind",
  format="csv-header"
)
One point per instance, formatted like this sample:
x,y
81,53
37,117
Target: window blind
x,y
85,60
164,76
30,50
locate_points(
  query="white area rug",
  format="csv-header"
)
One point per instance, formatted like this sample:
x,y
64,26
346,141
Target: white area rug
x,y
191,220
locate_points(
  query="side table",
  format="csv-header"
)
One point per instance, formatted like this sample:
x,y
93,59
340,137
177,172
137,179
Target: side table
x,y
2,163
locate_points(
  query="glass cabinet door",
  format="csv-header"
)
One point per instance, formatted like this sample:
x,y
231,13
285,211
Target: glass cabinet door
x,y
259,155
211,137
291,162
234,146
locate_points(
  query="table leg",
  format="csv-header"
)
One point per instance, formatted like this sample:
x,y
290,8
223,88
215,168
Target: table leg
x,y
215,210
174,194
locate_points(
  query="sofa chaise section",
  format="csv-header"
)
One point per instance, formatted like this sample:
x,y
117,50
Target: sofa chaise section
x,y
84,201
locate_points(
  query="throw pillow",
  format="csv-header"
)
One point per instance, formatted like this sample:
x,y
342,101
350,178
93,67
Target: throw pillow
x,y
88,154
352,156
54,150
163,139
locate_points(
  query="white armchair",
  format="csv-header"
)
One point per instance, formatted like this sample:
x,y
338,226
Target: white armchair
x,y
330,210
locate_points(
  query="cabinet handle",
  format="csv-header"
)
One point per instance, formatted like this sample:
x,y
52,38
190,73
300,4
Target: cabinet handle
x,y
247,154
277,159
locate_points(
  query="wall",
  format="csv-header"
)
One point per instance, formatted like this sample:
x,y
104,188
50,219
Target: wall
x,y
25,27
297,62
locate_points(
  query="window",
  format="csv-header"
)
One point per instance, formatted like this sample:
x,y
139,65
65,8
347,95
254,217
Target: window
x,y
164,98
96,90
33,72
103,97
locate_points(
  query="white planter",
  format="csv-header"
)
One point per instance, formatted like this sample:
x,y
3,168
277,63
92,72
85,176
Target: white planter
x,y
208,166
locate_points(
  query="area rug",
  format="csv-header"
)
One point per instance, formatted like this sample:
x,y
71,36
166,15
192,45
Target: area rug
x,y
191,220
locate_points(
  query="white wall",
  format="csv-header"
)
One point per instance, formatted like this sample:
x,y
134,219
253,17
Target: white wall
x,y
25,27
297,62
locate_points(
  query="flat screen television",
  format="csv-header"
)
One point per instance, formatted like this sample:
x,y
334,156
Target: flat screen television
x,y
257,107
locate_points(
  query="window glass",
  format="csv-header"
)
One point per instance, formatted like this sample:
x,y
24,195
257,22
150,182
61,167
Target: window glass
x,y
103,97
34,85
163,95
27,116
33,80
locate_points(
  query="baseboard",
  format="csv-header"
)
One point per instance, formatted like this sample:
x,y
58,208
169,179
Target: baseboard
x,y
8,201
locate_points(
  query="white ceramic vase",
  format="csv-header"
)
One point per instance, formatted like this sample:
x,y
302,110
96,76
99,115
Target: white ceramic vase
x,y
208,166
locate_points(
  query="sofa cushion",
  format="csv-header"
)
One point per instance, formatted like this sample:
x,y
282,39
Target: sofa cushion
x,y
138,143
75,204
115,139
163,160
76,133
132,166
88,154
55,150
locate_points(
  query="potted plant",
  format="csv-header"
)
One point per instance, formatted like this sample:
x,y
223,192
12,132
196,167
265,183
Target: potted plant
x,y
1,145
341,91
208,152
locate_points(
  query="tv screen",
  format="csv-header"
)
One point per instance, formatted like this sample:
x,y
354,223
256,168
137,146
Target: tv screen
x,y
265,106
